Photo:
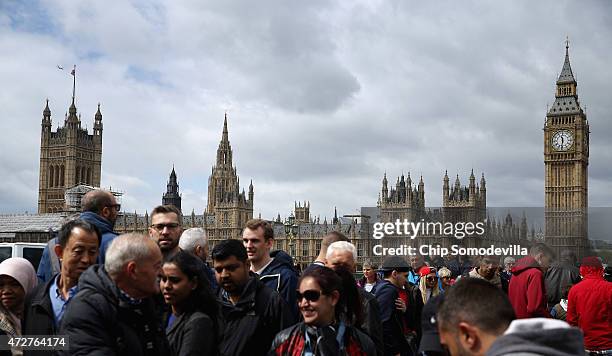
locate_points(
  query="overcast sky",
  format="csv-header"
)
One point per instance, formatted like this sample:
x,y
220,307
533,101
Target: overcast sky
x,y
322,97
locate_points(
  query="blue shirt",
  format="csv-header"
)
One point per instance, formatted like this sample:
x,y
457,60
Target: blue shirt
x,y
57,300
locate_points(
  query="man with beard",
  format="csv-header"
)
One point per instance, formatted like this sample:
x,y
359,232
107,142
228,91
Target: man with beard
x,y
100,208
252,313
487,270
166,229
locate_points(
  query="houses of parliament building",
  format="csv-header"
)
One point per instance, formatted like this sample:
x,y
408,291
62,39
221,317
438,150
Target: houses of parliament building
x,y
71,159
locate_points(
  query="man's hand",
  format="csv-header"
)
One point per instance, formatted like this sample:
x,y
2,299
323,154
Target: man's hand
x,y
400,305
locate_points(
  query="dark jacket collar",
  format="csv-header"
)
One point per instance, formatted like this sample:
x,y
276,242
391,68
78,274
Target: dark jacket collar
x,y
247,297
104,225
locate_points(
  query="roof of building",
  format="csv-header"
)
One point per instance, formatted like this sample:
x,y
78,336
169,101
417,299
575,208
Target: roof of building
x,y
31,222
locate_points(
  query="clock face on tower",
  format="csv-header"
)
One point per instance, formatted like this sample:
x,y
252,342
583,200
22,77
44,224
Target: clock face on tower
x,y
562,140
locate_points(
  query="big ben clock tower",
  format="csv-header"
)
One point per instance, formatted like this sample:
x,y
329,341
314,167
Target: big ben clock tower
x,y
566,160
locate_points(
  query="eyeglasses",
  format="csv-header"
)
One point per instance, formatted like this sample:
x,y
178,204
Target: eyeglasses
x,y
431,278
447,277
160,227
116,206
309,295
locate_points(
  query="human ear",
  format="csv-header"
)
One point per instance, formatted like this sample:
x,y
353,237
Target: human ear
x,y
469,336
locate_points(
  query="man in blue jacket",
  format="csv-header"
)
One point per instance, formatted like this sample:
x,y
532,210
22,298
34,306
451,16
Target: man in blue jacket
x,y
100,208
275,269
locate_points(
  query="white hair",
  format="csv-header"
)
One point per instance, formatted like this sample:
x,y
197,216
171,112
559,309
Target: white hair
x,y
192,238
125,248
341,246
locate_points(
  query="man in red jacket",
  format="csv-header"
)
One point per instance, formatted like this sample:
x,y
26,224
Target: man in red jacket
x,y
590,307
526,291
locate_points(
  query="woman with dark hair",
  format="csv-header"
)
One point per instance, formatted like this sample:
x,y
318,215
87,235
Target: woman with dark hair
x,y
330,305
192,323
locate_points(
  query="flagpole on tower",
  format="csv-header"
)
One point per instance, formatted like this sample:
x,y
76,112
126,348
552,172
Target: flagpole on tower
x,y
73,81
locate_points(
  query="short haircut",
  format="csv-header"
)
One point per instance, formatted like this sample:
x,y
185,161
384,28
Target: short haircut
x,y
332,237
444,272
192,238
65,232
227,248
255,224
126,248
96,200
543,248
477,302
165,209
342,246
488,260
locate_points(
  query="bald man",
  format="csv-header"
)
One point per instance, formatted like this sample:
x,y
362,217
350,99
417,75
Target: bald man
x,y
100,208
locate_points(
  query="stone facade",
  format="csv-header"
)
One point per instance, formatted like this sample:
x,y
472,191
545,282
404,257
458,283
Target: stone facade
x,y
566,160
68,157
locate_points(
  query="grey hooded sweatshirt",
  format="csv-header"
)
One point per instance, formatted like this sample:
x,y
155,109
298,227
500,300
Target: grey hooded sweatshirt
x,y
538,336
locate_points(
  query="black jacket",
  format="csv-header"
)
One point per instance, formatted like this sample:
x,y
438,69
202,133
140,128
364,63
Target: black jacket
x,y
392,319
558,275
291,341
280,276
99,321
38,318
372,324
251,324
192,333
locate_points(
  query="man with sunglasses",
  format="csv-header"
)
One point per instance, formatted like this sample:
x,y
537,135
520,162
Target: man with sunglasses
x,y
252,313
101,209
166,229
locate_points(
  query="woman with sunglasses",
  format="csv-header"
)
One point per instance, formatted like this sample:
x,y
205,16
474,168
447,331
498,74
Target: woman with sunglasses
x,y
330,305
428,283
445,279
191,326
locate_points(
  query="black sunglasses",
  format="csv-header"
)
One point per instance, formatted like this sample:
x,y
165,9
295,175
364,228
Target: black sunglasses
x,y
431,278
116,206
309,295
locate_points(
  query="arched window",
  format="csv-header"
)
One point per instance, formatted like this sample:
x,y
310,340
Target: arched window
x,y
89,181
62,175
77,177
50,177
56,182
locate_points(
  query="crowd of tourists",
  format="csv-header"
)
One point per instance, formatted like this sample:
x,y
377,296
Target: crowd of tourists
x,y
165,293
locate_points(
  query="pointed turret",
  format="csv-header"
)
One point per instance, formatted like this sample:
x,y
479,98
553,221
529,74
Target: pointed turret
x,y
172,196
335,221
98,122
385,190
224,152
566,76
445,187
251,191
46,121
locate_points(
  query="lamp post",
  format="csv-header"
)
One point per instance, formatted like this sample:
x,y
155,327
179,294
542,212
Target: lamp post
x,y
290,231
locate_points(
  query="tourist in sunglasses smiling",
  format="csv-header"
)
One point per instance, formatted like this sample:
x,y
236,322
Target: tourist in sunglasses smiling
x,y
330,305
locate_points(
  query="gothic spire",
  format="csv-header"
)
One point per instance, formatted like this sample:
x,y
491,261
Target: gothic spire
x,y
47,111
225,136
566,75
224,152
